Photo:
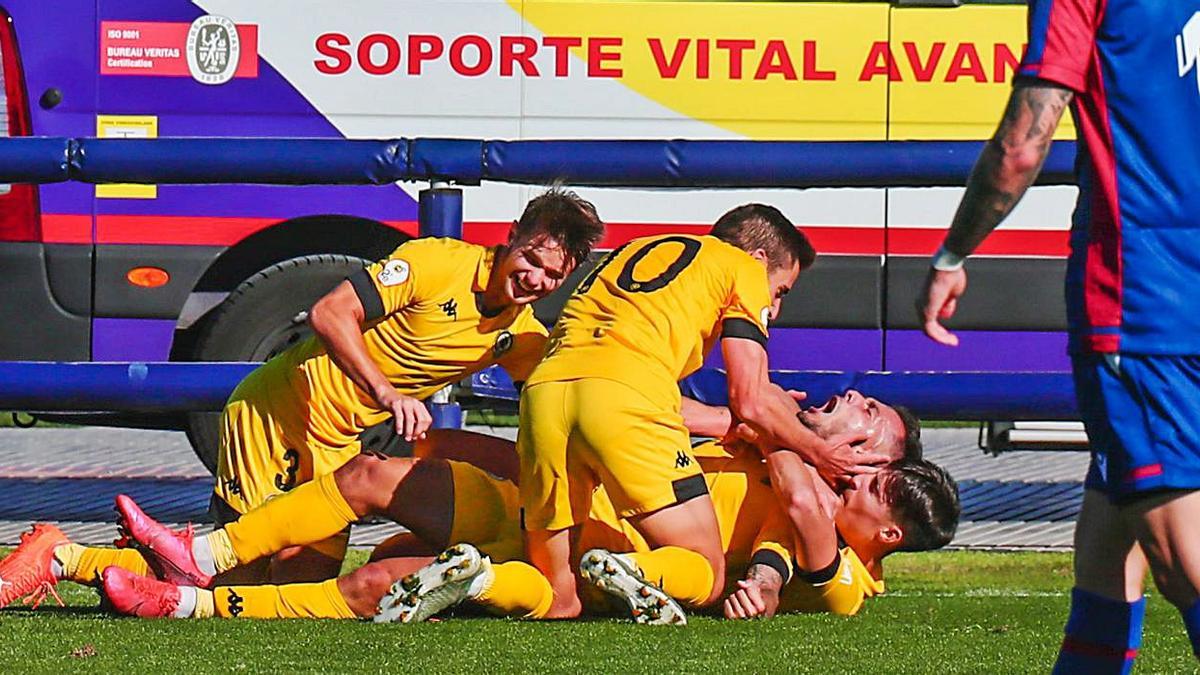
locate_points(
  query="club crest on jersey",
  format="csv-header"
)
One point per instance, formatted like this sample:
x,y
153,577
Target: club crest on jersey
x,y
394,272
504,343
213,49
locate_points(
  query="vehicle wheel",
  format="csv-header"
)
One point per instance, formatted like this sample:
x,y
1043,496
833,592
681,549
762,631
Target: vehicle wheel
x,y
265,315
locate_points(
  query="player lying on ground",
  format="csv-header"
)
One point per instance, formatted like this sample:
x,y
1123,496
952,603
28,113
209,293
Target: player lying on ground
x,y
909,505
602,408
431,313
448,501
46,556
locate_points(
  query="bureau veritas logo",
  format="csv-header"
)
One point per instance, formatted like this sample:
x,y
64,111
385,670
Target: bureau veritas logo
x,y
213,49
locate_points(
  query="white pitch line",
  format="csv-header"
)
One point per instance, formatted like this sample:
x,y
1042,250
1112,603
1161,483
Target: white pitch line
x,y
975,593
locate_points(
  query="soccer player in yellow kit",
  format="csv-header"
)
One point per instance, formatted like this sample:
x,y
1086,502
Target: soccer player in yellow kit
x,y
442,501
603,407
431,313
840,540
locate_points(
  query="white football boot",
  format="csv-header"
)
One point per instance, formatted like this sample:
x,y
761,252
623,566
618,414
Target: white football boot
x,y
616,575
459,573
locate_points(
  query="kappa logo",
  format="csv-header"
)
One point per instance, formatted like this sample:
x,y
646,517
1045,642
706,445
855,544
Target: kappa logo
x,y
450,307
1187,47
682,461
235,603
213,49
847,576
394,272
504,344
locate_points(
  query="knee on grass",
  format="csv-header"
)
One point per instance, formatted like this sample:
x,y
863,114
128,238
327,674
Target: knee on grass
x,y
363,588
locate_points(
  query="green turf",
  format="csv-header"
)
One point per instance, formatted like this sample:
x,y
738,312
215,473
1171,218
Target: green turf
x,y
25,420
945,613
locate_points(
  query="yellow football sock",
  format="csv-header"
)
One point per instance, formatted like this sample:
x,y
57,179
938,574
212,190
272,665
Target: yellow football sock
x,y
313,512
291,601
83,564
206,604
685,575
518,589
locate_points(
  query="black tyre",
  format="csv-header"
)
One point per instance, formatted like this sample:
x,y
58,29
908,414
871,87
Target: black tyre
x,y
266,314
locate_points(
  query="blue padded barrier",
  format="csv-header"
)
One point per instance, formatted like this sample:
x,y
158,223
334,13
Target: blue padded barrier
x,y
963,396
118,387
292,161
163,387
681,163
35,160
603,163
458,160
948,396
653,163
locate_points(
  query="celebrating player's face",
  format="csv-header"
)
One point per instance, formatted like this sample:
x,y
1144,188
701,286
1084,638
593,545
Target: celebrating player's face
x,y
781,281
855,414
865,514
534,269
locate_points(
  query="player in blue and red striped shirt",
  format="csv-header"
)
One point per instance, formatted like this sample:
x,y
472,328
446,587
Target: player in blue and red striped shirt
x,y
1128,69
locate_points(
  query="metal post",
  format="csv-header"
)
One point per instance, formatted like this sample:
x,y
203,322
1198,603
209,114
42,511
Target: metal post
x,y
446,413
439,214
439,211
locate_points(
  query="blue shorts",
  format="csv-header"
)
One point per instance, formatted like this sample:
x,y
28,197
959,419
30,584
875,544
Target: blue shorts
x,y
1143,422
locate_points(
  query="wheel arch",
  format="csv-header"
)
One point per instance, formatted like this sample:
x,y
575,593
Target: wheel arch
x,y
308,235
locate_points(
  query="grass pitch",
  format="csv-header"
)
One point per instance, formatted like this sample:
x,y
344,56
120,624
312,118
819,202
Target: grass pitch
x,y
956,612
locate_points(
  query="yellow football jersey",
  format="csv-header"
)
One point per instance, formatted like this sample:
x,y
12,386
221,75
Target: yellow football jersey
x,y
648,313
843,594
751,520
429,333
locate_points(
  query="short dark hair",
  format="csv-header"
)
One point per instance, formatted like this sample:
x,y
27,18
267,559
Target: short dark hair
x,y
755,226
563,216
924,501
913,448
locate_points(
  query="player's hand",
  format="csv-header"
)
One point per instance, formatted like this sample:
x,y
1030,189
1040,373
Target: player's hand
x,y
740,432
412,417
844,460
746,602
938,300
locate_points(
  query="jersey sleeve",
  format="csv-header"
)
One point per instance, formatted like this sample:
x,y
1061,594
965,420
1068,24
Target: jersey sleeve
x,y
748,307
391,284
773,544
843,594
1062,41
529,345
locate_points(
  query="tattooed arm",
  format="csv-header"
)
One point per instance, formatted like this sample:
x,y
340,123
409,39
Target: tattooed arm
x,y
756,595
1008,165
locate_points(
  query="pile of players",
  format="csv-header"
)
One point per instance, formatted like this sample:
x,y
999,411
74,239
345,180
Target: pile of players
x,y
603,504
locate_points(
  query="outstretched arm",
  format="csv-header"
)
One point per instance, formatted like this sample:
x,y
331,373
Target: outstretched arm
x,y
771,413
1008,165
704,420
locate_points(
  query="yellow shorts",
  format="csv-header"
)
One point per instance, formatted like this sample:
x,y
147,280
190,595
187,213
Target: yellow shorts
x,y
258,460
578,434
604,529
487,513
